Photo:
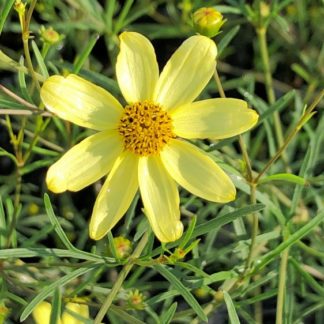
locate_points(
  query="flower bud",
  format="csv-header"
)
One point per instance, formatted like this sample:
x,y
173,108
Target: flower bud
x,y
208,21
49,35
123,247
20,7
135,300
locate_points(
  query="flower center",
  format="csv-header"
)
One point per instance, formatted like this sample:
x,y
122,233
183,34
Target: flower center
x,y
145,128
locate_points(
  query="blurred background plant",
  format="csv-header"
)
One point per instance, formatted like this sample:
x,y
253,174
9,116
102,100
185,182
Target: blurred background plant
x,y
257,259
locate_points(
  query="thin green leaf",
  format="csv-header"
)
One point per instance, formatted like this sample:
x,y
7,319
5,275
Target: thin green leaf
x,y
280,104
184,292
79,62
57,226
5,12
48,290
35,165
3,225
228,9
22,82
161,297
231,309
227,39
40,60
218,222
188,233
56,306
166,317
123,315
59,253
307,277
287,177
292,239
3,152
122,16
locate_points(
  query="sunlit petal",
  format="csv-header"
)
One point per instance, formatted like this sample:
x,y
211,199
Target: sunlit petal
x,y
161,199
213,118
75,308
115,195
85,163
137,69
42,313
186,73
197,172
81,102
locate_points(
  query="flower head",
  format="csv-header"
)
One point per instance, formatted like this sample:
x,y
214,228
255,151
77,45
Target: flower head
x,y
141,146
208,21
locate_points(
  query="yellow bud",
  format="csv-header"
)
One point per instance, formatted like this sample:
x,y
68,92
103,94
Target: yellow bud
x,y
202,292
264,9
32,209
123,247
219,296
208,21
136,300
4,312
20,7
49,35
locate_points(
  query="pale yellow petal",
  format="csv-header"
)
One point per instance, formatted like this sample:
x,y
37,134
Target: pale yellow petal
x,y
160,198
186,73
115,195
137,69
195,171
76,309
42,313
81,102
213,118
85,163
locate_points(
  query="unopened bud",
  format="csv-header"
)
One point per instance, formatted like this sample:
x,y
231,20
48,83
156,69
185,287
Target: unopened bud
x,y
20,7
123,247
49,35
208,21
135,300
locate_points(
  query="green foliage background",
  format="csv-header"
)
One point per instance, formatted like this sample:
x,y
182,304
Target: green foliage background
x,y
272,55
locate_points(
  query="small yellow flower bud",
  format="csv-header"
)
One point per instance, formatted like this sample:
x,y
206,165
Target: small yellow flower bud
x,y
136,300
32,209
49,35
123,247
4,312
264,9
202,292
208,21
20,7
219,296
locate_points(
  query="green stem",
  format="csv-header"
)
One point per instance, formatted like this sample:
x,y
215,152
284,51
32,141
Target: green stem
x,y
262,38
282,286
255,230
255,219
121,278
25,39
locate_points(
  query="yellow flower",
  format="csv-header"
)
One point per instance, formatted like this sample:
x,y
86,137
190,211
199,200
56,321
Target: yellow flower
x,y
140,146
42,313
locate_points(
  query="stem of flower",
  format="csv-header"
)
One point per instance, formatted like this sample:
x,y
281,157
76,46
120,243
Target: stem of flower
x,y
255,219
282,285
25,39
262,38
122,276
